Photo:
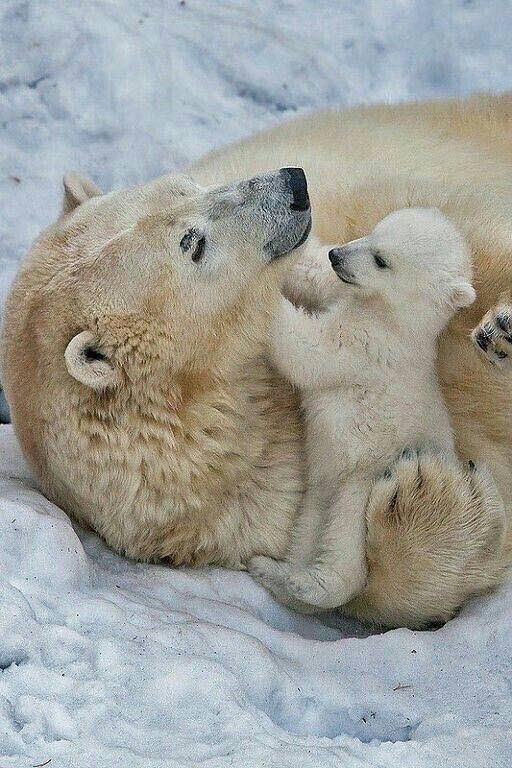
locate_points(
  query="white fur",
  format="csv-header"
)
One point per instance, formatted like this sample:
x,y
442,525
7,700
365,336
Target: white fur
x,y
97,374
366,370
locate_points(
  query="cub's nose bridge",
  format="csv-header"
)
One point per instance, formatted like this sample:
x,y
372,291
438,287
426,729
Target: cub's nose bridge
x,y
354,248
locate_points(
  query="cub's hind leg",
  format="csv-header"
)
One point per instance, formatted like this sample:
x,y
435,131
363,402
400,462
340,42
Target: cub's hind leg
x,y
332,568
276,575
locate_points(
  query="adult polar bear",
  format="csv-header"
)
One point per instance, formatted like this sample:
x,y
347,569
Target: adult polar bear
x,y
429,534
193,450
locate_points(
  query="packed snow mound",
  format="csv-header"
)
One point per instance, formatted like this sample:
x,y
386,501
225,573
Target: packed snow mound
x,y
106,662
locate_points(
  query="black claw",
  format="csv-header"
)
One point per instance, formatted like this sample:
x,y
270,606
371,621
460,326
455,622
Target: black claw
x,y
408,454
503,321
471,465
387,474
482,339
393,506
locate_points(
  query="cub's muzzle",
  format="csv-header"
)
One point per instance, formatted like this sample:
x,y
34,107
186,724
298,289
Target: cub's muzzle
x,y
338,259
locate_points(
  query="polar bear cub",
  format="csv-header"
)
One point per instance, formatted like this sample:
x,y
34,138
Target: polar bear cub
x,y
366,371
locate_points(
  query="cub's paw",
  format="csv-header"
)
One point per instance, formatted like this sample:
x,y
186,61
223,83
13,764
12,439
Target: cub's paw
x,y
311,283
493,337
323,589
278,577
272,574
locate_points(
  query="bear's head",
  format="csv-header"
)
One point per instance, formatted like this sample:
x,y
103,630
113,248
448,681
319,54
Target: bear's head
x,y
138,289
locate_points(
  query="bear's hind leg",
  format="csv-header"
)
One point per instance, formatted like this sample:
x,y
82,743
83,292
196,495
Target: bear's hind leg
x,y
436,536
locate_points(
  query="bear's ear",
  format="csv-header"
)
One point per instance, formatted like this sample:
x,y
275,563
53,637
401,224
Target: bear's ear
x,y
77,189
462,295
88,365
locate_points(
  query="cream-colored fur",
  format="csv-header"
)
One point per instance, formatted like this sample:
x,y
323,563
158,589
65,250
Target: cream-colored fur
x,y
137,376
198,455
433,543
365,367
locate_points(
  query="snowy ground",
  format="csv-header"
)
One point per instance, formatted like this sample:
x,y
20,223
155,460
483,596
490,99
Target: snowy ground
x,y
108,663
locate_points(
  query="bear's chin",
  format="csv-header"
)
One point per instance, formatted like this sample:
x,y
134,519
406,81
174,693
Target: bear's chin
x,y
281,246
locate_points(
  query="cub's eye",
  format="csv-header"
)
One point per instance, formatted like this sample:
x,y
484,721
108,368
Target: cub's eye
x,y
199,249
379,261
193,242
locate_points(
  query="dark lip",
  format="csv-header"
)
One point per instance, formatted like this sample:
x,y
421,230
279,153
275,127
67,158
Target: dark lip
x,y
302,239
304,236
343,277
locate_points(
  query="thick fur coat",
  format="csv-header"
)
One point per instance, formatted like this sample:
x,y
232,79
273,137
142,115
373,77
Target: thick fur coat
x,y
194,451
365,367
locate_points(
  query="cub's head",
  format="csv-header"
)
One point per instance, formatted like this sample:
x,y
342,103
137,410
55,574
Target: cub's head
x,y
414,255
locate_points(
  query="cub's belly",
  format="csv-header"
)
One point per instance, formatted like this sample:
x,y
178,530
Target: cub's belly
x,y
344,435
367,434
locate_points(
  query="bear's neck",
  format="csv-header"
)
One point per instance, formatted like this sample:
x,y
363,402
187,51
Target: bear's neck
x,y
219,467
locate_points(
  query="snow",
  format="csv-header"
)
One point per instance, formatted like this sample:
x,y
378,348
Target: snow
x,y
108,662
105,662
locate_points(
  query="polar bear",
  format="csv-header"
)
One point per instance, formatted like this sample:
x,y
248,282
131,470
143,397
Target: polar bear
x,y
166,428
366,371
148,309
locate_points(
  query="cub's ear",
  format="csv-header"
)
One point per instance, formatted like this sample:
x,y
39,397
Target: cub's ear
x,y
77,189
88,365
462,295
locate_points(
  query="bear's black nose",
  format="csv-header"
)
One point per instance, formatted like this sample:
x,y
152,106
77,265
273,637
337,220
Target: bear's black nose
x,y
296,182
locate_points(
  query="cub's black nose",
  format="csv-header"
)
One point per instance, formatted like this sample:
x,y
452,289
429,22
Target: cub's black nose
x,y
296,181
335,256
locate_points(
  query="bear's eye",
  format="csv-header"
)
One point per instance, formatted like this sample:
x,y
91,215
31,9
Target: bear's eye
x,y
192,241
379,261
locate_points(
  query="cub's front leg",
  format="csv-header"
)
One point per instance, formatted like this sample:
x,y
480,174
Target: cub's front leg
x,y
493,336
306,349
